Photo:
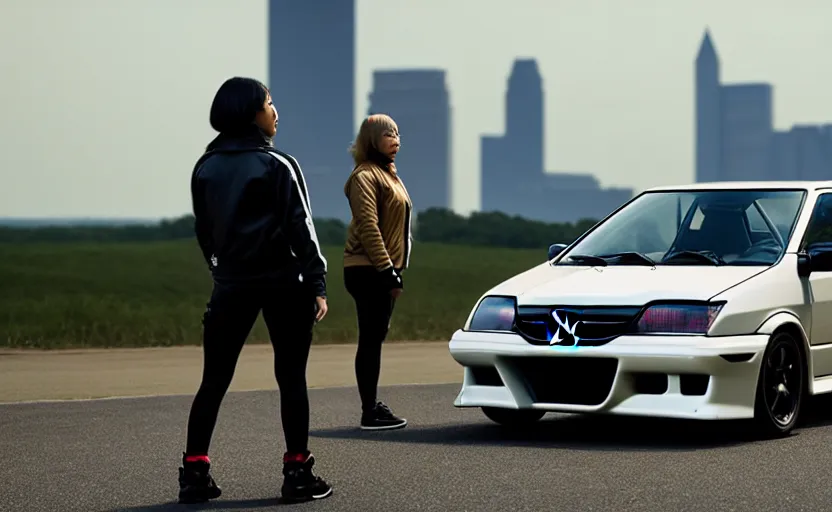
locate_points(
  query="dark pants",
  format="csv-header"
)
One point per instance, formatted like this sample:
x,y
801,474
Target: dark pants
x,y
289,314
374,306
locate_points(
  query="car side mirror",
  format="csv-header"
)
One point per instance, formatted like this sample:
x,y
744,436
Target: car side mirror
x,y
804,264
556,249
815,259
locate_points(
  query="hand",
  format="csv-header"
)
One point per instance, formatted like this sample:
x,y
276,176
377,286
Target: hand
x,y
394,281
322,309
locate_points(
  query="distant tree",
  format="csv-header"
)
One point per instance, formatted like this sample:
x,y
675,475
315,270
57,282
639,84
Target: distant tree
x,y
495,229
433,225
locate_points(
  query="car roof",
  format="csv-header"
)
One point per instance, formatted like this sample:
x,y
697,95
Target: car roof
x,y
747,185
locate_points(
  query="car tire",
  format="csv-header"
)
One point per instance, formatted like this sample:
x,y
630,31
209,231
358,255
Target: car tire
x,y
513,417
781,386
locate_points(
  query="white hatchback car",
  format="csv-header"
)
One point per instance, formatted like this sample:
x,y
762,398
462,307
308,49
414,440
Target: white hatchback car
x,y
708,301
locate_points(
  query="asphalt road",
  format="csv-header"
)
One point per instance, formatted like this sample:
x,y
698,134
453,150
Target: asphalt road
x,y
123,454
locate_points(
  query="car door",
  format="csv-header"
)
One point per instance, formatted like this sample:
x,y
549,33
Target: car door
x,y
819,231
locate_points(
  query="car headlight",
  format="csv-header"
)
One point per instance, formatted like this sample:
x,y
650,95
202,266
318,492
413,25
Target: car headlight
x,y
678,318
494,314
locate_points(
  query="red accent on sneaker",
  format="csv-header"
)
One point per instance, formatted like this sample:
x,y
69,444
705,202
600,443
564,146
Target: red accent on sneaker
x,y
296,457
197,458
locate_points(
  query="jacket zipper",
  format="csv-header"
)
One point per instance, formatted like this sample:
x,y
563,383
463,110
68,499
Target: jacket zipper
x,y
407,227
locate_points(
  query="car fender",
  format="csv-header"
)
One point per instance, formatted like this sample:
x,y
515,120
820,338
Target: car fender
x,y
782,318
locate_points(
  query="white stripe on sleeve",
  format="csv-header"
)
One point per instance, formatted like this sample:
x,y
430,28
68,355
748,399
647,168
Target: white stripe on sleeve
x,y
304,200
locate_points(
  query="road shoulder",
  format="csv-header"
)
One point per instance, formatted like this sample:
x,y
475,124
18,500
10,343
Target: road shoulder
x,y
105,373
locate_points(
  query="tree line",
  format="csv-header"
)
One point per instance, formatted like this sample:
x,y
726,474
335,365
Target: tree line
x,y
434,225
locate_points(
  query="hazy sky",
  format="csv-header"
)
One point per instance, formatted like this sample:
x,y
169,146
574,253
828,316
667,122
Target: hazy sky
x,y
105,102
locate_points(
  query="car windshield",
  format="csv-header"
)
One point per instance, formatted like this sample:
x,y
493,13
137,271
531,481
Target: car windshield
x,y
694,227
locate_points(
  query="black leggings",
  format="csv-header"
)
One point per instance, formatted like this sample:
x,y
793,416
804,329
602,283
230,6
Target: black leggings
x,y
289,314
374,306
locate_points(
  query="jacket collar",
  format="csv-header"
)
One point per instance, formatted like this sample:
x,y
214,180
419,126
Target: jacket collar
x,y
380,159
251,138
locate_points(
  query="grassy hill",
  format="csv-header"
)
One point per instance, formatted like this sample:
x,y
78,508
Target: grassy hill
x,y
153,294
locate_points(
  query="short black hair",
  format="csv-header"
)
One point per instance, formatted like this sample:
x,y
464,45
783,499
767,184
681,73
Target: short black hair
x,y
236,104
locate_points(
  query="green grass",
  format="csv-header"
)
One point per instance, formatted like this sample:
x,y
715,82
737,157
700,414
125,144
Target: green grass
x,y
153,294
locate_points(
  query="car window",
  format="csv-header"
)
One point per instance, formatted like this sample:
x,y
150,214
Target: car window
x,y
780,210
654,227
755,219
723,226
664,226
719,228
820,223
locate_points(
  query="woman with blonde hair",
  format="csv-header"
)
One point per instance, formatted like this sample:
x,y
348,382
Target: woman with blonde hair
x,y
376,252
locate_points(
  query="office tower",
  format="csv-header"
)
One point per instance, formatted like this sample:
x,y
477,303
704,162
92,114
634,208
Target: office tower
x,y
708,114
733,124
312,82
525,111
418,100
746,132
517,155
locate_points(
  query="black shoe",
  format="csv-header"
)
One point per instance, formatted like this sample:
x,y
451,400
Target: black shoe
x,y
300,483
196,484
381,417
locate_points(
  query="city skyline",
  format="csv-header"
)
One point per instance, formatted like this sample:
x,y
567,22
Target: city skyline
x,y
514,179
735,135
619,85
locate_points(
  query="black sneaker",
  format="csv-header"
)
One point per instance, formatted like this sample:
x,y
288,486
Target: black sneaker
x,y
381,417
195,482
300,483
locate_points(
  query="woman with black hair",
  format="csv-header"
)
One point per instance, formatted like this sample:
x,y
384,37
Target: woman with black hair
x,y
254,227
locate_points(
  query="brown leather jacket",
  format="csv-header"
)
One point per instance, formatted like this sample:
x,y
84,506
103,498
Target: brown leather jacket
x,y
379,233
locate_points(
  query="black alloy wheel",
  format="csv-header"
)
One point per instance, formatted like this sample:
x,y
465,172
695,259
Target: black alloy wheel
x,y
780,387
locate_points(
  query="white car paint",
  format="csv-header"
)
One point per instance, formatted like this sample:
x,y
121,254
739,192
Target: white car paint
x,y
758,301
622,285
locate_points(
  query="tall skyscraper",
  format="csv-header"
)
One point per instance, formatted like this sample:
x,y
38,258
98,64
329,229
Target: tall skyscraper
x,y
525,111
312,82
708,113
517,155
418,100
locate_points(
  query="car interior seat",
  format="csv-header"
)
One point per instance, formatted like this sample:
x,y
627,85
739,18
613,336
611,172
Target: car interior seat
x,y
723,231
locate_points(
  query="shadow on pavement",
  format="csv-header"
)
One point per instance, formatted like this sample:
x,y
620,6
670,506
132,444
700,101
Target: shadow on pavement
x,y
218,504
596,433
577,432
817,412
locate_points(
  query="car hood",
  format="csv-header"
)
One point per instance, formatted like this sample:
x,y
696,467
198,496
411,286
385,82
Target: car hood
x,y
620,285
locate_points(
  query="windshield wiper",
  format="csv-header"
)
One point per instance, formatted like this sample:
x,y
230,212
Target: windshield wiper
x,y
592,260
704,256
604,260
631,254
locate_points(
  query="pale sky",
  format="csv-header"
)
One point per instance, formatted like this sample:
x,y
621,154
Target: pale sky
x,y
105,102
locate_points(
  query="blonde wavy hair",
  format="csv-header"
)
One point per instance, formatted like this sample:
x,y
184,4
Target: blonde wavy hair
x,y
369,136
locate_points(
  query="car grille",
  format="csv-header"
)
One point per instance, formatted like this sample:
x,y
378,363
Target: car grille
x,y
567,380
588,326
